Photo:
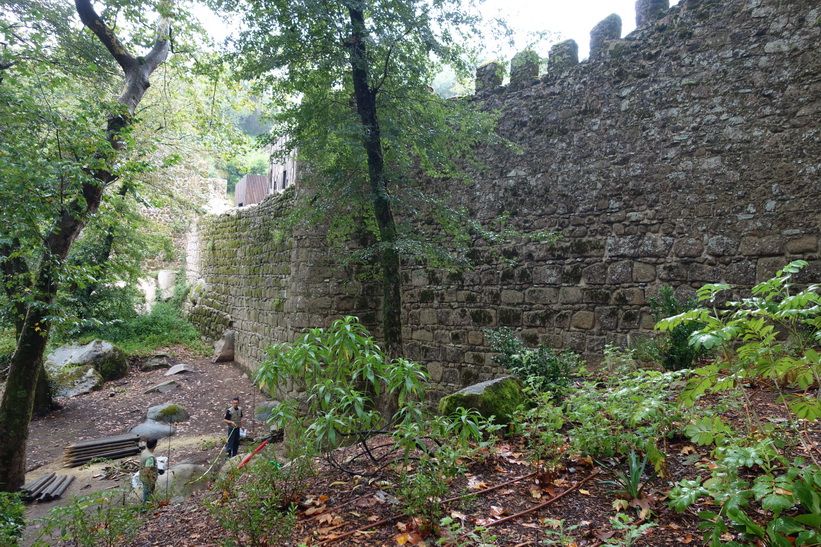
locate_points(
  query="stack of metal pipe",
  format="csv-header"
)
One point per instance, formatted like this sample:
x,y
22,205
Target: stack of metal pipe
x,y
109,448
46,488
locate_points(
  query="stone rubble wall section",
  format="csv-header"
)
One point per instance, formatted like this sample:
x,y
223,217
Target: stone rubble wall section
x,y
267,281
686,153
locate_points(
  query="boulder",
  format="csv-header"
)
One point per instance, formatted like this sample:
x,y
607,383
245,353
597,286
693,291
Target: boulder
x,y
181,480
106,359
164,387
150,428
224,349
160,360
71,381
500,398
264,410
178,369
168,413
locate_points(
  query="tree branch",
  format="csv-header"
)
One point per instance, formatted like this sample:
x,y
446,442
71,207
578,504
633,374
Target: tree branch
x,y
91,20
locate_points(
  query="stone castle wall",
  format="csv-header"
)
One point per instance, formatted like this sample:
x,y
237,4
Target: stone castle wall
x,y
686,153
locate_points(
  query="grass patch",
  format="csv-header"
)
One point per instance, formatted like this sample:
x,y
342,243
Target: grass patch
x,y
143,334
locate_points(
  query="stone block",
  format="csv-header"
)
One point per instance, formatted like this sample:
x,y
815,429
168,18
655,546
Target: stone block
x,y
562,56
649,10
570,295
512,297
607,318
643,272
595,274
524,67
766,268
704,273
489,76
476,338
624,297
583,320
547,275
542,296
608,29
428,317
802,244
688,247
620,272
762,246
721,245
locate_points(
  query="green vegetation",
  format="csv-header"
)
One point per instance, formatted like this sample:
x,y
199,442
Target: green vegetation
x,y
257,506
143,333
672,349
543,369
103,519
12,521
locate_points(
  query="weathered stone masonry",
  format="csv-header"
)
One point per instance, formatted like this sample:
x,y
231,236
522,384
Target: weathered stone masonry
x,y
687,153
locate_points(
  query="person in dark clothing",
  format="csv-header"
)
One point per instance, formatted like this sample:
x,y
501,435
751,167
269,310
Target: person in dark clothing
x,y
233,419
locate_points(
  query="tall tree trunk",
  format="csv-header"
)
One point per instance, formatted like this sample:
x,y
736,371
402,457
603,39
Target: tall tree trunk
x,y
27,360
365,97
18,402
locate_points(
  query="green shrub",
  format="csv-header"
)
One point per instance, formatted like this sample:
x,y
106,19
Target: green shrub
x,y
257,505
542,368
344,375
100,519
12,520
672,349
164,326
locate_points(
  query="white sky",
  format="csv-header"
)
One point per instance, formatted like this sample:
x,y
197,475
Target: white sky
x,y
564,19
570,18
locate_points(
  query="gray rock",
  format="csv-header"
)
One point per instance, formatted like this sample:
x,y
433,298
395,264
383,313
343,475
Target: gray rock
x,y
264,410
164,387
181,480
224,349
178,369
106,359
499,398
150,428
72,381
160,360
168,413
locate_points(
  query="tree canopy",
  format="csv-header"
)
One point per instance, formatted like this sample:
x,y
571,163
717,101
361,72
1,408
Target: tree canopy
x,y
349,81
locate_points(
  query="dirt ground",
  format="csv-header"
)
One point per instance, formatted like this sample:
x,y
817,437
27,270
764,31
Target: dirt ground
x,y
122,404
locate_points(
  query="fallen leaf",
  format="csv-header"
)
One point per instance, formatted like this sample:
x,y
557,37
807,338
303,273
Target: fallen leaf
x,y
535,491
373,518
689,449
315,510
584,492
475,483
497,511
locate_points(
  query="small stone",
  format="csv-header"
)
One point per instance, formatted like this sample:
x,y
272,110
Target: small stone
x,y
178,369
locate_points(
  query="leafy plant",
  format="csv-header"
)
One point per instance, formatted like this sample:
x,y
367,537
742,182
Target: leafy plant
x,y
766,336
12,518
542,368
630,532
633,411
673,349
453,534
343,374
629,481
99,519
257,506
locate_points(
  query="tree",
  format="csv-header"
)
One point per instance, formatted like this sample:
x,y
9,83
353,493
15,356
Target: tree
x,y
350,80
61,160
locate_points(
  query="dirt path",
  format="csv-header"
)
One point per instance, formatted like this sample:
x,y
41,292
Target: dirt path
x,y
120,405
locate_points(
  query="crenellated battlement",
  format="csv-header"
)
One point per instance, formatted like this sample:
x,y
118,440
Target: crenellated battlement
x,y
524,67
